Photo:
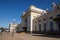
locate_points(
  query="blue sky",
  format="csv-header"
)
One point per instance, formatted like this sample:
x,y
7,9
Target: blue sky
x,y
13,9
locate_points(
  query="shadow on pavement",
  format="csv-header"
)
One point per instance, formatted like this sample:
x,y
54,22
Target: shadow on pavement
x,y
45,35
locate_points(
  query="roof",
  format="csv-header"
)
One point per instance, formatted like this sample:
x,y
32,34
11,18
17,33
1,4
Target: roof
x,y
34,9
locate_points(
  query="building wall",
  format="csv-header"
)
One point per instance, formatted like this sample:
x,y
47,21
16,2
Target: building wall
x,y
13,27
40,20
31,14
55,13
27,21
48,18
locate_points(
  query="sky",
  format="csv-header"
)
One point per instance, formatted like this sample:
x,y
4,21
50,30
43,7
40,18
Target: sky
x,y
13,9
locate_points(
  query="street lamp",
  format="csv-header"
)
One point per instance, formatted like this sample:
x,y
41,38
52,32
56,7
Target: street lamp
x,y
14,21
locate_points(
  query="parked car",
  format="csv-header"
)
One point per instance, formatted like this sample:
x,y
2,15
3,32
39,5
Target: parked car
x,y
0,30
7,30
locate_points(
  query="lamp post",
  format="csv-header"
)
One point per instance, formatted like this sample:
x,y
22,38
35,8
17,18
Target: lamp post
x,y
13,23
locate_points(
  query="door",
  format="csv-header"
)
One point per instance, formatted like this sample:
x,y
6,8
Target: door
x,y
45,27
59,25
39,27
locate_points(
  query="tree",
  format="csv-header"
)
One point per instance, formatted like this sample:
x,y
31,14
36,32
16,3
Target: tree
x,y
1,28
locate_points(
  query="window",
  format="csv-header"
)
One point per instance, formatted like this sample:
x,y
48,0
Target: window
x,y
51,25
39,27
58,15
29,26
26,21
35,27
35,21
57,7
34,16
39,20
37,15
44,26
50,17
44,19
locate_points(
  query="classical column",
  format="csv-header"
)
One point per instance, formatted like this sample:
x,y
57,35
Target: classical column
x,y
31,27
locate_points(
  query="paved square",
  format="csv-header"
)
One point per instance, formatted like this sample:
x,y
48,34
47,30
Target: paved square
x,y
24,36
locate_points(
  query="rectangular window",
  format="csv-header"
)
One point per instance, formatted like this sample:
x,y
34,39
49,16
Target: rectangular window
x,y
26,21
51,25
58,15
50,17
39,20
44,19
35,21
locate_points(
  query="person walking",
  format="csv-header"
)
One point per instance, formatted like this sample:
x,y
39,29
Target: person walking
x,y
12,33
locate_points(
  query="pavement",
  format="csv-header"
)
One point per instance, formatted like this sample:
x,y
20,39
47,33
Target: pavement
x,y
25,36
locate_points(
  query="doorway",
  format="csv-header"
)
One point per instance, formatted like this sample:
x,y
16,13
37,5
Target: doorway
x,y
39,27
25,29
59,26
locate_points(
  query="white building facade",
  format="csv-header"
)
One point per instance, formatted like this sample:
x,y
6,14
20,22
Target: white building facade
x,y
29,15
12,27
48,22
